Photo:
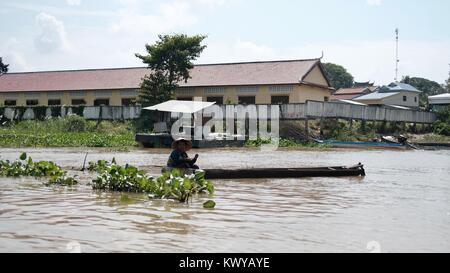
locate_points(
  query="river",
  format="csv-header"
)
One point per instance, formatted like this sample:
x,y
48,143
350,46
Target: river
x,y
402,205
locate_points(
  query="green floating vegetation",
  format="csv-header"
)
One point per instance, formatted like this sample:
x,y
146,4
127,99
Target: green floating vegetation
x,y
114,177
25,166
209,204
284,143
173,185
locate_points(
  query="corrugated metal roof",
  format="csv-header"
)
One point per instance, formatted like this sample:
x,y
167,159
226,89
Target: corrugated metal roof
x,y
352,102
399,107
398,86
233,74
440,99
441,96
376,96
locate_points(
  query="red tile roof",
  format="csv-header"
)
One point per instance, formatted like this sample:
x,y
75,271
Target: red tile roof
x,y
344,97
254,73
353,90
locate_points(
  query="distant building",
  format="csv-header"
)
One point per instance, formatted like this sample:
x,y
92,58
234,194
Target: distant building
x,y
358,89
350,93
439,101
272,82
363,84
394,94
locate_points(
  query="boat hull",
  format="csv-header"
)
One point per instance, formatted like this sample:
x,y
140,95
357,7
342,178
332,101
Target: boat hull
x,y
285,173
364,145
266,173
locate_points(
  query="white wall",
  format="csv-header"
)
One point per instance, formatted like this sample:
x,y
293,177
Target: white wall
x,y
398,99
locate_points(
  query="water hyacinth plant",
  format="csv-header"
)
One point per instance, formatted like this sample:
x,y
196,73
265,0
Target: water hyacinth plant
x,y
171,185
25,166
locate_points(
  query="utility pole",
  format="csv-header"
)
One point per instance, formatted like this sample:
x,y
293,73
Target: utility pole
x,y
396,55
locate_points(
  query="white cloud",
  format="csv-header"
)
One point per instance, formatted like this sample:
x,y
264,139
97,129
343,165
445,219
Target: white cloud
x,y
169,16
52,36
237,51
374,2
73,2
211,3
11,51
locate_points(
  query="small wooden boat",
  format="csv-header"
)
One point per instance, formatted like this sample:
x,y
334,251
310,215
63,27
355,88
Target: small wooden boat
x,y
364,144
264,173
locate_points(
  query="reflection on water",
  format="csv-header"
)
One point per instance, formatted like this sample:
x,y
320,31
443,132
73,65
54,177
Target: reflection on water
x,y
403,204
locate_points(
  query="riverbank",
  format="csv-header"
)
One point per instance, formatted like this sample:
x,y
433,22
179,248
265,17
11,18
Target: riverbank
x,y
75,131
72,131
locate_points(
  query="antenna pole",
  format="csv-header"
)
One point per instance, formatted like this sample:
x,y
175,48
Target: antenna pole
x,y
396,55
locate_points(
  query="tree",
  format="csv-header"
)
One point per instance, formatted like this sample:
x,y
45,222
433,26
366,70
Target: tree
x,y
447,84
3,67
428,88
338,76
170,60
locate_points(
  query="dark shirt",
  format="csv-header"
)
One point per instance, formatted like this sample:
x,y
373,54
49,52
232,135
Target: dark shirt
x,y
177,158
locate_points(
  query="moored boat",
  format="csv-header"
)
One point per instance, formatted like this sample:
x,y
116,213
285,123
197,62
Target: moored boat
x,y
363,144
265,173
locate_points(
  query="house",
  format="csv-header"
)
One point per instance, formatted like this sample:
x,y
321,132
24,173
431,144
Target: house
x,y
358,89
270,82
439,101
394,94
350,93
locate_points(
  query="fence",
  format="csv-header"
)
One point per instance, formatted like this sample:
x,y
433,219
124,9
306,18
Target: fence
x,y
315,109
88,112
308,110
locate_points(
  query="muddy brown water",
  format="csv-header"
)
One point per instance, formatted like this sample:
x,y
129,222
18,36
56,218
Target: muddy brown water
x,y
403,204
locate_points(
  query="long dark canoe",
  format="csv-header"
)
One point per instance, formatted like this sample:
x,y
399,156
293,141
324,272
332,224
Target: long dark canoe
x,y
262,173
340,171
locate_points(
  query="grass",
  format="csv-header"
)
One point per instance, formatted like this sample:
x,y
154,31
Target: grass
x,y
436,138
72,131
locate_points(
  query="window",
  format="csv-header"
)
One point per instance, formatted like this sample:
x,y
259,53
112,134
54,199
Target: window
x,y
32,102
77,94
280,99
215,90
54,102
415,99
247,100
186,91
78,102
128,102
10,102
185,98
101,102
281,88
326,98
405,98
217,100
248,89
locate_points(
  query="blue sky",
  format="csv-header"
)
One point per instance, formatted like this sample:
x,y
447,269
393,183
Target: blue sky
x,y
359,34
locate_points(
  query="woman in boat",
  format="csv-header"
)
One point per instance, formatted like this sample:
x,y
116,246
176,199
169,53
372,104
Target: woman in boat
x,y
179,158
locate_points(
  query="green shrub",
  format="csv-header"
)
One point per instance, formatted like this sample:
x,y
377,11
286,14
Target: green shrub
x,y
75,123
442,128
442,125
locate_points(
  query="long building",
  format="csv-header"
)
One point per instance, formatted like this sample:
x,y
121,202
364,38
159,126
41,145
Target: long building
x,y
271,82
